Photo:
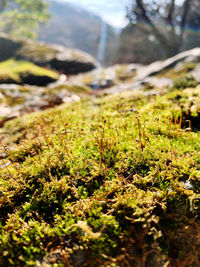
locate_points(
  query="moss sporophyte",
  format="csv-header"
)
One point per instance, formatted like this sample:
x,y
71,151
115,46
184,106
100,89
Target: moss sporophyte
x,y
97,183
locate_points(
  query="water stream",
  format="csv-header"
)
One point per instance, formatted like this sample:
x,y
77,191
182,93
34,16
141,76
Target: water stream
x,y
102,44
101,53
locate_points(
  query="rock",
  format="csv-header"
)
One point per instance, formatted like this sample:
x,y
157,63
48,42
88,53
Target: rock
x,y
155,82
1,96
18,100
155,68
5,111
196,73
70,61
6,87
22,72
72,98
133,67
66,61
101,84
38,80
41,103
146,75
103,78
121,88
8,47
150,93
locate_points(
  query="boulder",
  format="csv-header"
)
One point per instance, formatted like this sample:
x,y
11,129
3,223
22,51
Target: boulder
x,y
22,72
8,47
190,56
155,82
38,80
196,73
17,100
64,60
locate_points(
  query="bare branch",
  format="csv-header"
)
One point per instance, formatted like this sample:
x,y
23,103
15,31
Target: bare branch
x,y
170,39
186,10
156,32
171,13
140,6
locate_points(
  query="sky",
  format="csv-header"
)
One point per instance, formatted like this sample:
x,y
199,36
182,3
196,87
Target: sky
x,y
112,11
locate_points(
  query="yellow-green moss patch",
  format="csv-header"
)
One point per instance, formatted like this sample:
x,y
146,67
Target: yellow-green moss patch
x,y
12,71
109,181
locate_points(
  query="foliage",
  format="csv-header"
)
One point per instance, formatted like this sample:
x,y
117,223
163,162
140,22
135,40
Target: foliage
x,y
109,181
21,18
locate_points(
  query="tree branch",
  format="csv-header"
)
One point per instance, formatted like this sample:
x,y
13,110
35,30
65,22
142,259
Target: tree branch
x,y
162,39
186,10
171,13
140,6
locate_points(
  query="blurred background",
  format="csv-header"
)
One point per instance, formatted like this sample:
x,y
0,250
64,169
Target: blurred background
x,y
55,51
123,30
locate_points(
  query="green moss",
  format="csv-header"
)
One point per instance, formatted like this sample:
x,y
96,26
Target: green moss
x,y
77,89
36,52
174,73
123,74
12,71
109,180
185,82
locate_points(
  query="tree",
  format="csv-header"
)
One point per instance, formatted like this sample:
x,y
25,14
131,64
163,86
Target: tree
x,y
192,36
167,20
21,18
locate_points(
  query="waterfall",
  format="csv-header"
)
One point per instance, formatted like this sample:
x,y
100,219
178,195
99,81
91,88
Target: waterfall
x,y
101,52
102,44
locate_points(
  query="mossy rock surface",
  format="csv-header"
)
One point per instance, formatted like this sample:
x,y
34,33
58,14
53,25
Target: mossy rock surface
x,y
109,181
22,72
68,61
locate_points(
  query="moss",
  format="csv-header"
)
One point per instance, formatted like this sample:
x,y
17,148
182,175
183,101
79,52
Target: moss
x,y
77,89
185,82
103,182
35,52
175,73
123,73
20,72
